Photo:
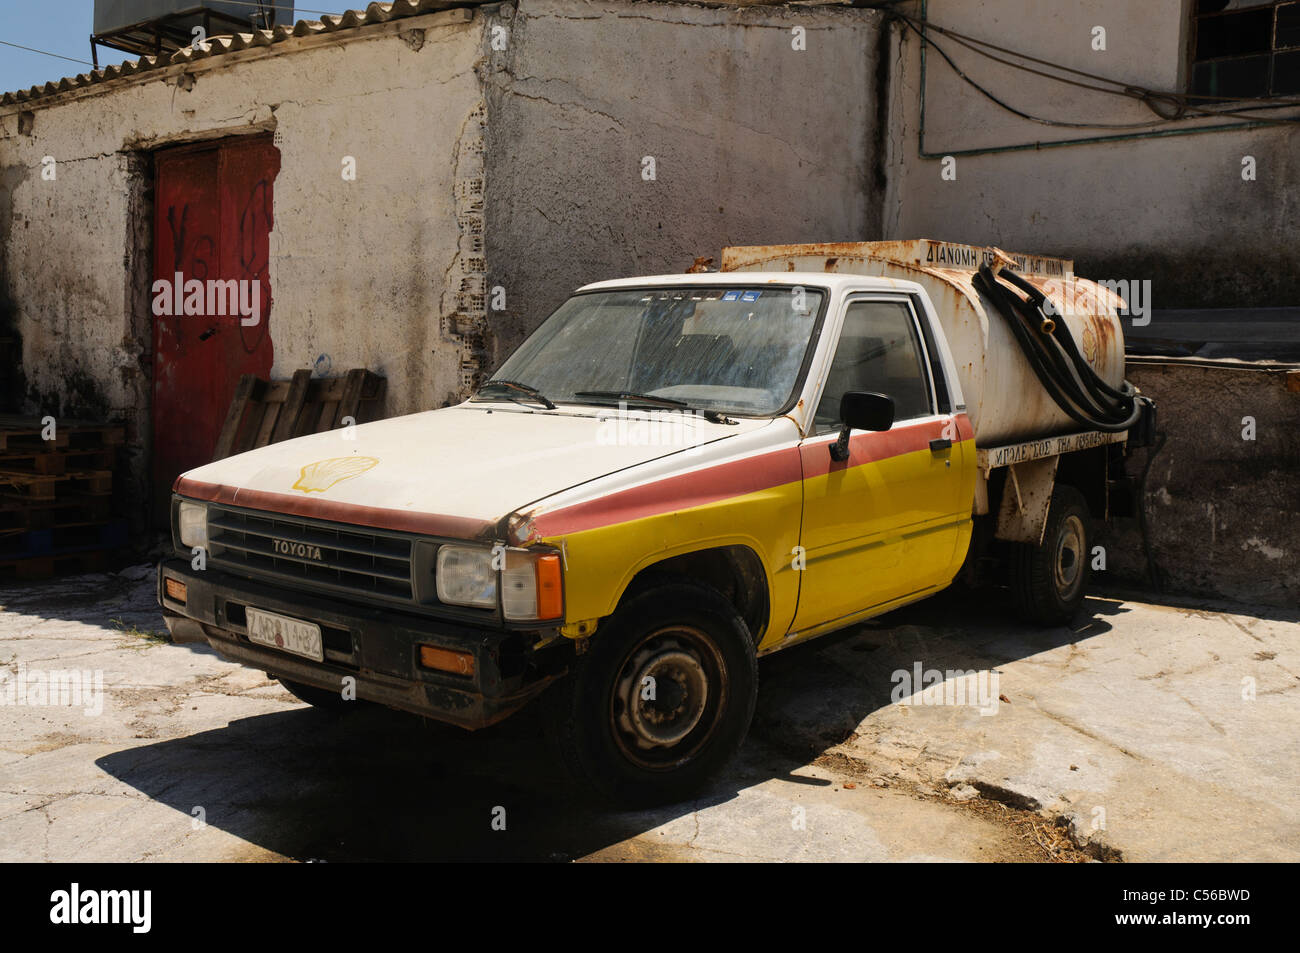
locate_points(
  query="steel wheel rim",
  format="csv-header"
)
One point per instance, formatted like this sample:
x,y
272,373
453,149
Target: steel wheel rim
x,y
688,691
1068,564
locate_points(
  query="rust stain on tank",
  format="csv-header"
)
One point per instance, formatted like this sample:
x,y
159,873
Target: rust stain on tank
x,y
1102,330
830,264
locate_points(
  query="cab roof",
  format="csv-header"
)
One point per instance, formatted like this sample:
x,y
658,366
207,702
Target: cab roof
x,y
806,279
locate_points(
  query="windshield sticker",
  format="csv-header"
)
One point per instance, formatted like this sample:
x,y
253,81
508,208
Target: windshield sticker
x,y
731,296
750,296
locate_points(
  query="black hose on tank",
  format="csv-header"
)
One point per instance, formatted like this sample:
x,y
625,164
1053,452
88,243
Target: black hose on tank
x,y
1054,357
1126,390
1070,369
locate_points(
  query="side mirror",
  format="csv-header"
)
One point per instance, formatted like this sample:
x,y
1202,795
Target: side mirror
x,y
861,410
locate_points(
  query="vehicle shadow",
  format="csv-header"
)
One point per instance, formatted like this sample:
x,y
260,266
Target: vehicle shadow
x,y
380,785
816,696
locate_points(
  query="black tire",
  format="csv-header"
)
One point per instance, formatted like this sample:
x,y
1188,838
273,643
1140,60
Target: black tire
x,y
686,638
321,698
1050,580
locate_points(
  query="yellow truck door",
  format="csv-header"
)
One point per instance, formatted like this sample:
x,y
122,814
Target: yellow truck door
x,y
885,523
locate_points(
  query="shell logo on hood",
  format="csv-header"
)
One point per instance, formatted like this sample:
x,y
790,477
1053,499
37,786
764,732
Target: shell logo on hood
x,y
320,476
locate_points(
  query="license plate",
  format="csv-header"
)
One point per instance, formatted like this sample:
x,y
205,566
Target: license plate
x,y
287,635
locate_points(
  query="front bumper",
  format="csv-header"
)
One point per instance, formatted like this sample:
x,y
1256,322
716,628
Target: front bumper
x,y
379,648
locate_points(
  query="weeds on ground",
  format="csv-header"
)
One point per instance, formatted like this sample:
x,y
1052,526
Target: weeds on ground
x,y
142,638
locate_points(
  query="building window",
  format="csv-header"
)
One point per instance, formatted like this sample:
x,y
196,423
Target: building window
x,y
1245,49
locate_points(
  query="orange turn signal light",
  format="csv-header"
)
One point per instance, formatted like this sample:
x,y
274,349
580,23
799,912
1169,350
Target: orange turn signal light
x,y
550,592
445,660
175,589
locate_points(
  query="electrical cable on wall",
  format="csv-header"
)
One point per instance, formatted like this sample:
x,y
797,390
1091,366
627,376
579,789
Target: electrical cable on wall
x,y
1181,108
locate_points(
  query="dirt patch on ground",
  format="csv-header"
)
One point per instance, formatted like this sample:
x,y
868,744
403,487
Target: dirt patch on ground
x,y
1037,839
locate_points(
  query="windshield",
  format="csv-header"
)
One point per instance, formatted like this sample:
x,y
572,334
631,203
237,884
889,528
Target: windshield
x,y
732,349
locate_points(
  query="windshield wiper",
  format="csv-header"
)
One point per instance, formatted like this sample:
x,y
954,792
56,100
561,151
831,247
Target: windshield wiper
x,y
530,391
712,416
627,395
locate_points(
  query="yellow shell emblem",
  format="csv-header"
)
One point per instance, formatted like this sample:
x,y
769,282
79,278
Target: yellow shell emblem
x,y
1090,345
320,476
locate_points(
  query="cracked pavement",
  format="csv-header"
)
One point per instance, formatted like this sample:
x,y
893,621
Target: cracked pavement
x,y
1146,733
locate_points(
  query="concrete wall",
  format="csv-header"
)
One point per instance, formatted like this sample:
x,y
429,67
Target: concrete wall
x,y
1172,209
753,141
1223,510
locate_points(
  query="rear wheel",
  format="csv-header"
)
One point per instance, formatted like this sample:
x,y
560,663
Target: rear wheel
x,y
1049,580
661,700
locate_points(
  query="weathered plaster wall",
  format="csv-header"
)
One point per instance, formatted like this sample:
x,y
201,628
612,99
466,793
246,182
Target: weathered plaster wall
x,y
1173,210
360,270
518,167
753,141
1223,511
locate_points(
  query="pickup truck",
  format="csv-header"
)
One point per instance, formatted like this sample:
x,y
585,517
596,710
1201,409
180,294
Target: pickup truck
x,y
670,478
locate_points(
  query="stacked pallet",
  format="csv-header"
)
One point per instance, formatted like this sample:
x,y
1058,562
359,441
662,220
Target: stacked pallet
x,y
264,412
56,497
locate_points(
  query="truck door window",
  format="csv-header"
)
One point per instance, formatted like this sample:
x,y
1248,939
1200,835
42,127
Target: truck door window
x,y
877,351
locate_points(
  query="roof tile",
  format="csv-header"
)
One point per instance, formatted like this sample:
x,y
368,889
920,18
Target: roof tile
x,y
219,45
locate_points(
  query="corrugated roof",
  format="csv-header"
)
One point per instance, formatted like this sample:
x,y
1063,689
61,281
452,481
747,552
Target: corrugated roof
x,y
218,45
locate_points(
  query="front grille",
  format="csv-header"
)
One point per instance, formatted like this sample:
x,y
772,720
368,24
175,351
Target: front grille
x,y
369,564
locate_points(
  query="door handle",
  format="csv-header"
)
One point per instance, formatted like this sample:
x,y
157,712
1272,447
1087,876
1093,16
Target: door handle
x,y
940,443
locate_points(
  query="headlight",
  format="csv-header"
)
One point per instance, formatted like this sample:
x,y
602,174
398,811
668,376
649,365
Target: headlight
x,y
192,524
530,586
466,576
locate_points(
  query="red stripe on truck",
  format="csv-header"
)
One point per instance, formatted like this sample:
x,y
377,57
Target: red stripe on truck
x,y
738,477
867,448
678,492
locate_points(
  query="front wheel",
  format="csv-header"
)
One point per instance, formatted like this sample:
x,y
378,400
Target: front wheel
x,y
1049,580
661,700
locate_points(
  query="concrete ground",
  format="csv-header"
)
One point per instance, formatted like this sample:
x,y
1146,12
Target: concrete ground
x,y
1145,733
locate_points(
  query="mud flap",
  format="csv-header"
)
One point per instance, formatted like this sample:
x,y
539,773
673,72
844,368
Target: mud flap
x,y
1026,499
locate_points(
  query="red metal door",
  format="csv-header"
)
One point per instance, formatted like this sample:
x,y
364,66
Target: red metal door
x,y
213,219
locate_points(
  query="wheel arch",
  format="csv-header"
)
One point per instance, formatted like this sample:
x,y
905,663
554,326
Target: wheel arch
x,y
736,571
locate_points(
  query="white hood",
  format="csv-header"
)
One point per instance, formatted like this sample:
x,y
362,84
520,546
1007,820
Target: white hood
x,y
473,461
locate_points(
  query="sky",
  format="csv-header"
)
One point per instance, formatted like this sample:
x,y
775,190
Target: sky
x,y
63,27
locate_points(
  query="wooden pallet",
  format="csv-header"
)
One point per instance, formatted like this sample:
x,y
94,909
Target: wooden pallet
x,y
16,485
56,511
62,540
25,435
46,514
56,462
43,567
264,412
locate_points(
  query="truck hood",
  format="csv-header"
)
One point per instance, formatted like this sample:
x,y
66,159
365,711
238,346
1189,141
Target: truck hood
x,y
453,472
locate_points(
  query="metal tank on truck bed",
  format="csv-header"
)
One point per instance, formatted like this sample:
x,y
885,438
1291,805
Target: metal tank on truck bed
x,y
1004,400
1039,356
